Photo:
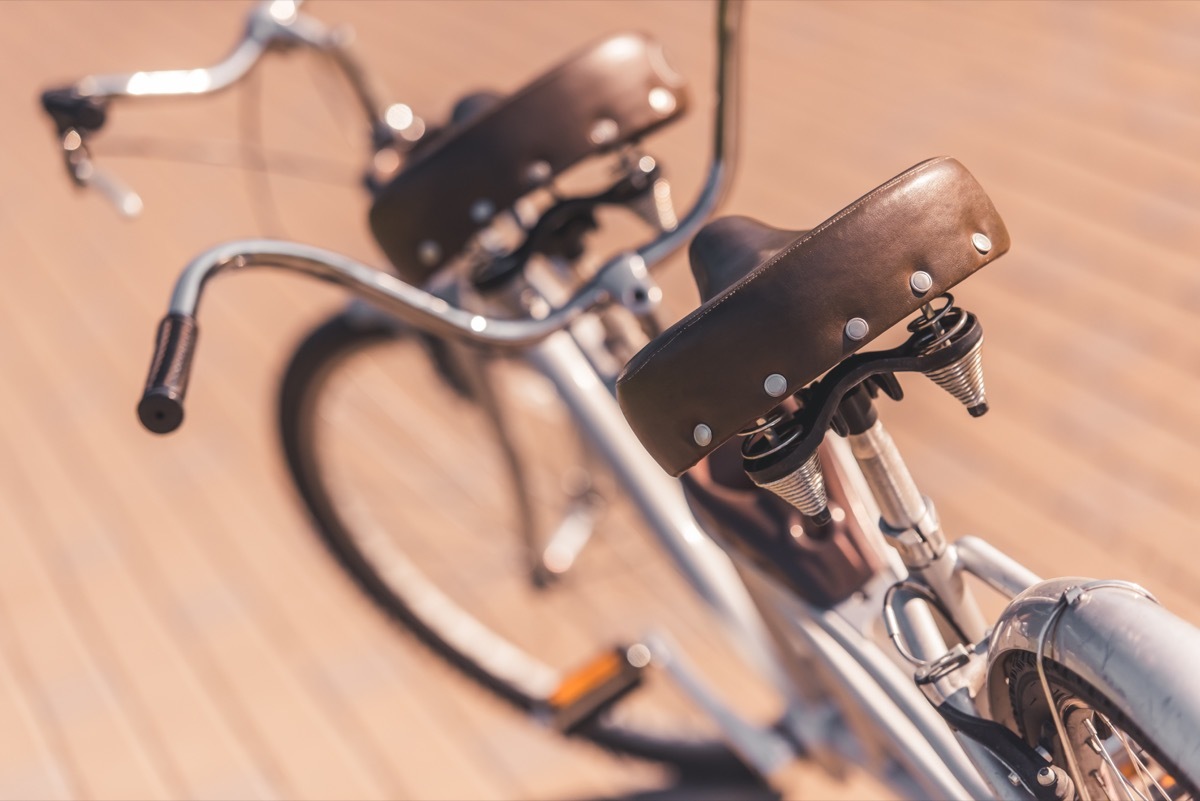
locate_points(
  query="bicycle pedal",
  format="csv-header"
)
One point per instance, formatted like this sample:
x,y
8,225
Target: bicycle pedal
x,y
596,686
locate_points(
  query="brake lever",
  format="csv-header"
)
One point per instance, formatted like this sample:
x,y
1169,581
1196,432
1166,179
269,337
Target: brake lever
x,y
85,173
76,117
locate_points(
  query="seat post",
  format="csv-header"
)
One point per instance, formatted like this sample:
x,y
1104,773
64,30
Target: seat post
x,y
909,520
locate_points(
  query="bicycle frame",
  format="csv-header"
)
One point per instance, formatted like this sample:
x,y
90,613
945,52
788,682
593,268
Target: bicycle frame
x,y
872,694
899,712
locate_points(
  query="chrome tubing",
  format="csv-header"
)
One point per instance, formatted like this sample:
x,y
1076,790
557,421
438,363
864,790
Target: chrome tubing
x,y
724,138
415,306
992,566
273,23
79,110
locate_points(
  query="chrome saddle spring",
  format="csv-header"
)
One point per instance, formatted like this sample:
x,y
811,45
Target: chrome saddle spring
x,y
804,487
962,378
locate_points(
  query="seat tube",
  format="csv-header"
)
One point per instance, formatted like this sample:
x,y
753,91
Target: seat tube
x,y
658,497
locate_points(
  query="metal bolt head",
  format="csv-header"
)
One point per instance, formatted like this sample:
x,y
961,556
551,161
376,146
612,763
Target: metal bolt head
x,y
702,434
921,282
775,385
981,243
638,655
604,131
1046,777
538,172
662,100
482,210
399,116
429,252
857,329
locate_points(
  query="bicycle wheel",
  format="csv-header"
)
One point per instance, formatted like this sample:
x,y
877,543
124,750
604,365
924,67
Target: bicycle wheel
x,y
1114,755
425,465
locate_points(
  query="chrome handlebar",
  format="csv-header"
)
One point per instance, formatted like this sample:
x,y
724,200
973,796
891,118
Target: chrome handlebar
x,y
79,110
624,279
724,138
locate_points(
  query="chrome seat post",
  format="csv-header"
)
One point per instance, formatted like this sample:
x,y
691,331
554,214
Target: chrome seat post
x,y
909,520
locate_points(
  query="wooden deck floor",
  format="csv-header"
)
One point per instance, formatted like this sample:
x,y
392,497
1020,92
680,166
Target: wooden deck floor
x,y
168,627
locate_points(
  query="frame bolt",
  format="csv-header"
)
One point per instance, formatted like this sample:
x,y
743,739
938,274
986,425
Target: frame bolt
x,y
1046,777
482,211
857,329
775,385
981,242
538,172
604,131
921,282
429,252
702,434
662,100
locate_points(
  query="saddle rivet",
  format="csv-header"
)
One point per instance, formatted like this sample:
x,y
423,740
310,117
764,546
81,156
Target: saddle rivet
x,y
981,242
921,282
775,385
482,210
857,329
429,252
538,172
702,434
399,116
662,100
604,131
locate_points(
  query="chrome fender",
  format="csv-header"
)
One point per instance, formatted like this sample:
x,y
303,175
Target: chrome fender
x,y
1123,643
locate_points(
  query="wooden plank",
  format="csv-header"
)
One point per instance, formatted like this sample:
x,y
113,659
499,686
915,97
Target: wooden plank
x,y
187,553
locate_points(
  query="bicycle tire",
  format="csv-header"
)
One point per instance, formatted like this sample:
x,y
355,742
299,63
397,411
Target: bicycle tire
x,y
1074,696
315,359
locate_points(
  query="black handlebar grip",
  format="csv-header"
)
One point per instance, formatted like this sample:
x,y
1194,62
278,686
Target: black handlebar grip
x,y
69,109
161,407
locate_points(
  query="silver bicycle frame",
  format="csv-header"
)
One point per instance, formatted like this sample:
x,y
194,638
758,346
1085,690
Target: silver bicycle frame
x,y
551,349
897,731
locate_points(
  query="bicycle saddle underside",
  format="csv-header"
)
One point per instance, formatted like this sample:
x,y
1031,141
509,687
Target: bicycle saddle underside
x,y
611,93
780,308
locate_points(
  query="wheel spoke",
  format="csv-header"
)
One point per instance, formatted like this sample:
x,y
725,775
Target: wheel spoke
x,y
1142,770
1098,745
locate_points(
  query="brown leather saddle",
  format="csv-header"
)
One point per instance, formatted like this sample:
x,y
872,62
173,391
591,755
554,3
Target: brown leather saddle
x,y
609,94
780,303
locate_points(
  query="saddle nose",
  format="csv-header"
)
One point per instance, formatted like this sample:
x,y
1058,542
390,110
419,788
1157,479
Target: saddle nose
x,y
727,250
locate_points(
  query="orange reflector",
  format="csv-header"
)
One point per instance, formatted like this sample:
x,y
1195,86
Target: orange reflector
x,y
593,674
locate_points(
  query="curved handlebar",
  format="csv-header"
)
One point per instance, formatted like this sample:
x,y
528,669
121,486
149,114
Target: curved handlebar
x,y
724,141
270,24
161,408
80,110
624,279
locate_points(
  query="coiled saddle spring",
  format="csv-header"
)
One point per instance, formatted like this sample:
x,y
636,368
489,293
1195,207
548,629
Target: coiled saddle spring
x,y
962,378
